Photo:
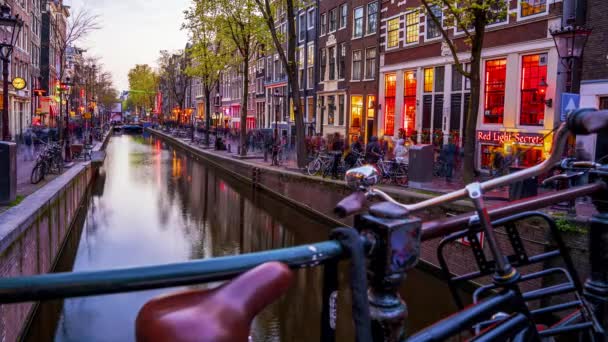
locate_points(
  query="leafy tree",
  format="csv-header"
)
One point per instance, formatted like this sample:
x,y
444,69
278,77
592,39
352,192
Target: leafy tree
x,y
269,8
470,17
208,56
240,28
143,85
173,75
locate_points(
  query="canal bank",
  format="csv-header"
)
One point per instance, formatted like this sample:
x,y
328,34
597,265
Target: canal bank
x,y
33,233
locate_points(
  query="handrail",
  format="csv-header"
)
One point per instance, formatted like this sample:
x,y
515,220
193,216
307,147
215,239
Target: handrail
x,y
81,284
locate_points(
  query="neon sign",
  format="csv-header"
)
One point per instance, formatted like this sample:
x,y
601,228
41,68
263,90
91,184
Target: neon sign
x,y
510,137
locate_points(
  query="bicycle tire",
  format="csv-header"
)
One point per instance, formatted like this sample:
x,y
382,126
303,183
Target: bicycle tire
x,y
313,167
37,173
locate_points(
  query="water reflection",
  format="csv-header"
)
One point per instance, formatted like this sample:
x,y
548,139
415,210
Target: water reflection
x,y
159,206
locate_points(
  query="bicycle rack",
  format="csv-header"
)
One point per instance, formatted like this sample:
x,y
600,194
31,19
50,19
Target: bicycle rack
x,y
580,319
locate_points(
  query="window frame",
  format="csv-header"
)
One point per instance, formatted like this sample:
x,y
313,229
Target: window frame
x,y
485,90
367,15
353,60
323,24
365,75
302,27
405,28
310,19
428,20
343,15
532,16
354,35
522,90
329,29
388,31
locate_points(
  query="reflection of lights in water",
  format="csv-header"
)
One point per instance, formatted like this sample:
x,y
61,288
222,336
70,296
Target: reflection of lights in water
x,y
176,170
222,186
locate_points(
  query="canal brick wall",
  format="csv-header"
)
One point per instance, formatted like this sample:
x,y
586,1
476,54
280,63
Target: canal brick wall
x,y
320,196
32,235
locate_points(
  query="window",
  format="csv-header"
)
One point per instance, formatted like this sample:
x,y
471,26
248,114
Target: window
x,y
532,7
343,15
311,19
603,103
357,61
390,88
342,65
372,17
310,78
429,74
494,104
358,22
432,31
459,104
356,112
300,55
409,102
310,109
332,62
302,26
371,106
341,110
370,63
533,87
323,63
331,104
323,23
333,20
411,27
393,33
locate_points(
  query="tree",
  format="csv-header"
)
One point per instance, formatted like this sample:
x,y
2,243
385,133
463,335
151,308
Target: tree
x,y
208,57
173,75
240,28
470,17
143,85
268,8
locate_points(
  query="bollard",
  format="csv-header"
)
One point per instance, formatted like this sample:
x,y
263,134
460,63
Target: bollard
x,y
397,250
229,149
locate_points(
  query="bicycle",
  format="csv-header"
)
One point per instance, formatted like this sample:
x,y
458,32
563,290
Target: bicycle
x,y
389,237
392,172
48,161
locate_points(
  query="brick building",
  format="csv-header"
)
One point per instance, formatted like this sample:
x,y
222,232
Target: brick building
x,y
307,56
422,93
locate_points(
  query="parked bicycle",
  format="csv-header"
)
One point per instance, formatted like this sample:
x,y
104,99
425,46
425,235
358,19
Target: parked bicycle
x,y
391,171
389,236
49,161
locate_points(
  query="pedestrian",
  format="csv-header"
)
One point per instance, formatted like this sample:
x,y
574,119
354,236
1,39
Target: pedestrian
x,y
29,138
449,159
498,163
373,152
337,148
401,152
353,155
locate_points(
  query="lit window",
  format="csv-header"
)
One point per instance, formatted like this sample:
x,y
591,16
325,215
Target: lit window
x,y
357,60
371,106
411,27
532,7
393,33
533,88
428,79
409,102
372,17
390,81
432,31
494,105
358,22
356,111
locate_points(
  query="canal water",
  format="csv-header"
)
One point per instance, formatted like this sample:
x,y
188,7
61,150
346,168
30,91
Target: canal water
x,y
153,204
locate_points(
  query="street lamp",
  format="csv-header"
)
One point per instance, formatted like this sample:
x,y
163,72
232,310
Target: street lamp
x,y
64,88
570,43
10,27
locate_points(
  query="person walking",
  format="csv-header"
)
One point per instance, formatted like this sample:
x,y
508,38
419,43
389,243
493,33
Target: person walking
x,y
337,148
29,138
355,151
401,152
450,159
373,151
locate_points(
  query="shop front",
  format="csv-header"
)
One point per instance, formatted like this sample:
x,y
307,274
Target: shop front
x,y
519,149
362,114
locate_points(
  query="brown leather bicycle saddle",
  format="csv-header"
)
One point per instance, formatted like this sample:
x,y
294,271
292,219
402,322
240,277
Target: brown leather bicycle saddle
x,y
221,314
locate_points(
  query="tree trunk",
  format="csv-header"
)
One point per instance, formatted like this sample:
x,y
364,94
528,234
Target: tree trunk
x,y
207,114
295,86
469,167
243,130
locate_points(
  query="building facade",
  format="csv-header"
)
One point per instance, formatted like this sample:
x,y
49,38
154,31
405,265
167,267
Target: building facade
x,y
423,95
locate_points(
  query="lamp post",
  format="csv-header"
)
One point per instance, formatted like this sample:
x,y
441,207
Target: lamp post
x,y
10,27
570,43
64,88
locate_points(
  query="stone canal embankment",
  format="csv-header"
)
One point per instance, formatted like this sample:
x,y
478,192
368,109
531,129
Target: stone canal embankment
x,y
32,234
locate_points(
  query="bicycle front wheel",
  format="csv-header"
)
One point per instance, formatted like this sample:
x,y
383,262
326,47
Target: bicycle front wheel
x,y
37,173
313,167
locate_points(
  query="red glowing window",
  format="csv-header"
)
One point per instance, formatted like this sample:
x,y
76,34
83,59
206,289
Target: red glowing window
x,y
533,88
494,105
390,90
409,102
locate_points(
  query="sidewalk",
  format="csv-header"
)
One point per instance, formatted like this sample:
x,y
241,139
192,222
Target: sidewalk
x,y
439,185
